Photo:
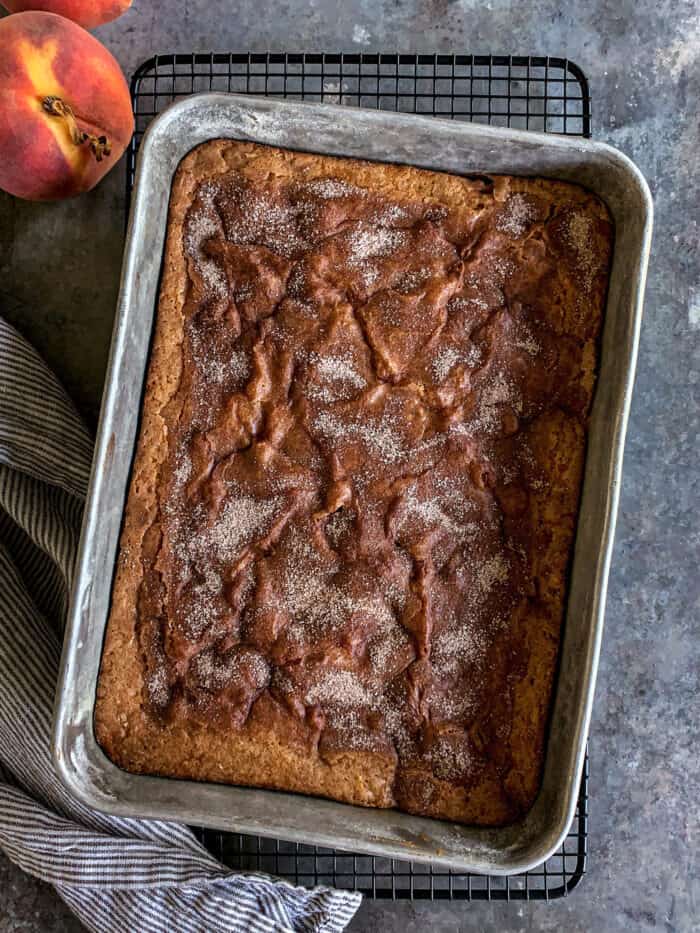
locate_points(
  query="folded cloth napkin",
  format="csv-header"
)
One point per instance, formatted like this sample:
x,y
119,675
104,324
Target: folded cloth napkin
x,y
116,874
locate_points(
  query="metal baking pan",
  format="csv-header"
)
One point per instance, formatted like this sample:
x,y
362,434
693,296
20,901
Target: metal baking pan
x,y
429,143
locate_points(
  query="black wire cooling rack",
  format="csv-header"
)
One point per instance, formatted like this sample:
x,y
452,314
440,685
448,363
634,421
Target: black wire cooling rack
x,y
524,92
536,93
391,879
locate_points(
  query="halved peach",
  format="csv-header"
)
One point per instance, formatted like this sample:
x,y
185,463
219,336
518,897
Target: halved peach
x,y
87,13
65,110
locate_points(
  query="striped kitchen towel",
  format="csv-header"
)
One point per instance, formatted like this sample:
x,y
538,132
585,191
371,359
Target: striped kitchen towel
x,y
116,874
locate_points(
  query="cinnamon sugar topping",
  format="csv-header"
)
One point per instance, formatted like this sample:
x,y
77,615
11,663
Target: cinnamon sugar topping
x,y
376,397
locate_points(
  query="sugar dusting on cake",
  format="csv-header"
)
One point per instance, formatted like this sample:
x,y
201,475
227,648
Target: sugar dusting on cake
x,y
444,362
338,378
216,671
341,687
490,572
274,224
516,216
204,606
527,343
350,619
450,758
338,525
447,357
367,244
183,466
330,189
240,522
158,688
230,369
379,434
201,225
579,236
461,644
413,280
431,512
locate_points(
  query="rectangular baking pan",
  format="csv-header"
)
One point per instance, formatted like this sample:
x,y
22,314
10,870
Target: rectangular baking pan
x,y
430,143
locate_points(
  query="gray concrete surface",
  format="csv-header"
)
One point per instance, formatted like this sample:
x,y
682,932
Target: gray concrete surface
x,y
59,268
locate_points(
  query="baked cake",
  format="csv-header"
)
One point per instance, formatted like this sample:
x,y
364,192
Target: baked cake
x,y
343,566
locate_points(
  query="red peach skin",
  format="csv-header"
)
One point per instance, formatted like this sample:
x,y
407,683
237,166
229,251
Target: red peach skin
x,y
87,13
65,110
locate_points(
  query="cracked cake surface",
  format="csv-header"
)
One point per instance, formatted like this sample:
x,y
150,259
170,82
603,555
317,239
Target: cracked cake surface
x,y
343,566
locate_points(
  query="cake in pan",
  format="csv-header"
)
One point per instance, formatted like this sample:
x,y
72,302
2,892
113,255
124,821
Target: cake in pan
x,y
343,567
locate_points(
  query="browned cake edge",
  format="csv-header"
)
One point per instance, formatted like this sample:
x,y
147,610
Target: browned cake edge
x,y
136,741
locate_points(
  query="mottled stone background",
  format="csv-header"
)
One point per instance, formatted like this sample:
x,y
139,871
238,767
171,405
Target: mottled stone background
x,y
59,271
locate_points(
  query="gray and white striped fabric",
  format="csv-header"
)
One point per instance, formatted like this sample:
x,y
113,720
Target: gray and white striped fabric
x,y
116,874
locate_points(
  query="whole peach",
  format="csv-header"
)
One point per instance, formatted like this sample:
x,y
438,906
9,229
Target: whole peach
x,y
65,110
88,13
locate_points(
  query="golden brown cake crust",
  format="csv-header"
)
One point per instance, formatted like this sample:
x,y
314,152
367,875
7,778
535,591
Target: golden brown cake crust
x,y
343,563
